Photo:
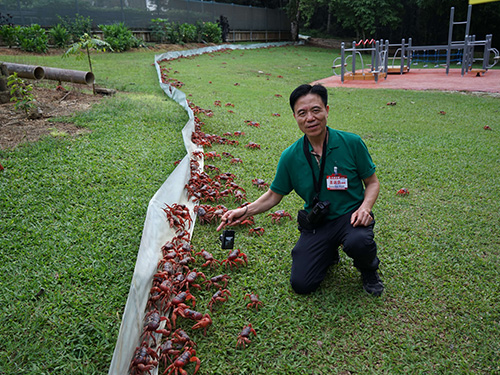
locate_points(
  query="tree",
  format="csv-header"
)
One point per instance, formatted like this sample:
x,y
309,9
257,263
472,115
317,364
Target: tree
x,y
293,11
86,44
365,17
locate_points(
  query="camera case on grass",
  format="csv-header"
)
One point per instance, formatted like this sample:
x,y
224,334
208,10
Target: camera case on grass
x,y
227,239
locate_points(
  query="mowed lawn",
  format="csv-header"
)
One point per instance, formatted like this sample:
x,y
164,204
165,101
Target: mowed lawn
x,y
72,212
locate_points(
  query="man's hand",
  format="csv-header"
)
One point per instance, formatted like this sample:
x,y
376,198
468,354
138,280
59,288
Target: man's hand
x,y
233,217
361,217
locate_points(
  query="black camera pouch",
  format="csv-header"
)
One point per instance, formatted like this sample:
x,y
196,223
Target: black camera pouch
x,y
302,219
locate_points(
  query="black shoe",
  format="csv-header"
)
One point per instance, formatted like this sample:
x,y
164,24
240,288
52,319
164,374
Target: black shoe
x,y
372,283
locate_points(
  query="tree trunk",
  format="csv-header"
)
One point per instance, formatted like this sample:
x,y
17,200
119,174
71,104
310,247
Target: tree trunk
x,y
329,19
294,24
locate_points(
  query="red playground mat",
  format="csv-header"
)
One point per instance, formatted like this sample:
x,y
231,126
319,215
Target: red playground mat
x,y
425,79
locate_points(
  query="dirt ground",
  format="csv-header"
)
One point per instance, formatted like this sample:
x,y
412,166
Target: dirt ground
x,y
16,128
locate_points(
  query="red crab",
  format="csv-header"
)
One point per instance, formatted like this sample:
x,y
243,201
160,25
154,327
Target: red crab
x,y
211,167
257,230
227,154
248,221
243,337
239,196
212,155
403,191
487,127
161,292
236,160
278,215
260,183
238,133
219,296
252,145
235,258
252,123
276,114
204,323
184,311
191,277
177,215
143,360
167,349
176,368
216,280
152,322
182,297
181,337
254,301
210,260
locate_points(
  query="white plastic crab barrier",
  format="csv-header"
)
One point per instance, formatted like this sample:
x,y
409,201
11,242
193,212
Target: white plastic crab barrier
x,y
156,230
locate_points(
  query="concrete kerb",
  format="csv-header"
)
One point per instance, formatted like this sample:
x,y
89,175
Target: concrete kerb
x,y
156,232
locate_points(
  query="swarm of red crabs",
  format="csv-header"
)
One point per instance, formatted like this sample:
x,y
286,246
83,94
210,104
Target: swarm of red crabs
x,y
164,344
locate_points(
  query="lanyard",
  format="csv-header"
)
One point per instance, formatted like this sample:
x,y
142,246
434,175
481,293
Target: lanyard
x,y
307,153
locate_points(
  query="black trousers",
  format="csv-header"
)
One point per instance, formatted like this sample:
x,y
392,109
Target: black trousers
x,y
316,250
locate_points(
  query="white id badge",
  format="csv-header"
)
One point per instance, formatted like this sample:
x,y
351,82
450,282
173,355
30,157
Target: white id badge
x,y
336,181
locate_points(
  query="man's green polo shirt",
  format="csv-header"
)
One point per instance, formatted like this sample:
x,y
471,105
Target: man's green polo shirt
x,y
347,152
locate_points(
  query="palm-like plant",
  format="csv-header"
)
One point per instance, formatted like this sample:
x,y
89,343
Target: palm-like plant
x,y
84,46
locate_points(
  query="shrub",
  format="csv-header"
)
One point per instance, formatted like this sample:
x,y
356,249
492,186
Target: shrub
x,y
33,38
188,33
173,35
21,93
211,32
159,29
60,36
119,37
77,27
8,34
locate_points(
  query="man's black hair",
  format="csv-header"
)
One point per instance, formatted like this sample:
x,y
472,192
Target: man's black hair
x,y
303,90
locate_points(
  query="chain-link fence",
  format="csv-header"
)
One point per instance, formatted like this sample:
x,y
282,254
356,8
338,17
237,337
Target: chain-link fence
x,y
138,14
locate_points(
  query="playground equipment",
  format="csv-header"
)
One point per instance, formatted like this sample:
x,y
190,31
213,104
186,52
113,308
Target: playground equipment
x,y
379,58
406,53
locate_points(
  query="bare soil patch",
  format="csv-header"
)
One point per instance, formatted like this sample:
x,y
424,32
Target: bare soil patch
x,y
17,128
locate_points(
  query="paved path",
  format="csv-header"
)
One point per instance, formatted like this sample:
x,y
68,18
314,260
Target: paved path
x,y
426,79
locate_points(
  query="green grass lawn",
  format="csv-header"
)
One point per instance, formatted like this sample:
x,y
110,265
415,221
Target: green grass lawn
x,y
72,211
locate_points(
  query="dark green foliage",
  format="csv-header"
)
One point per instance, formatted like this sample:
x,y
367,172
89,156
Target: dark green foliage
x,y
187,33
210,32
8,34
159,30
119,37
33,39
60,36
165,31
77,26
